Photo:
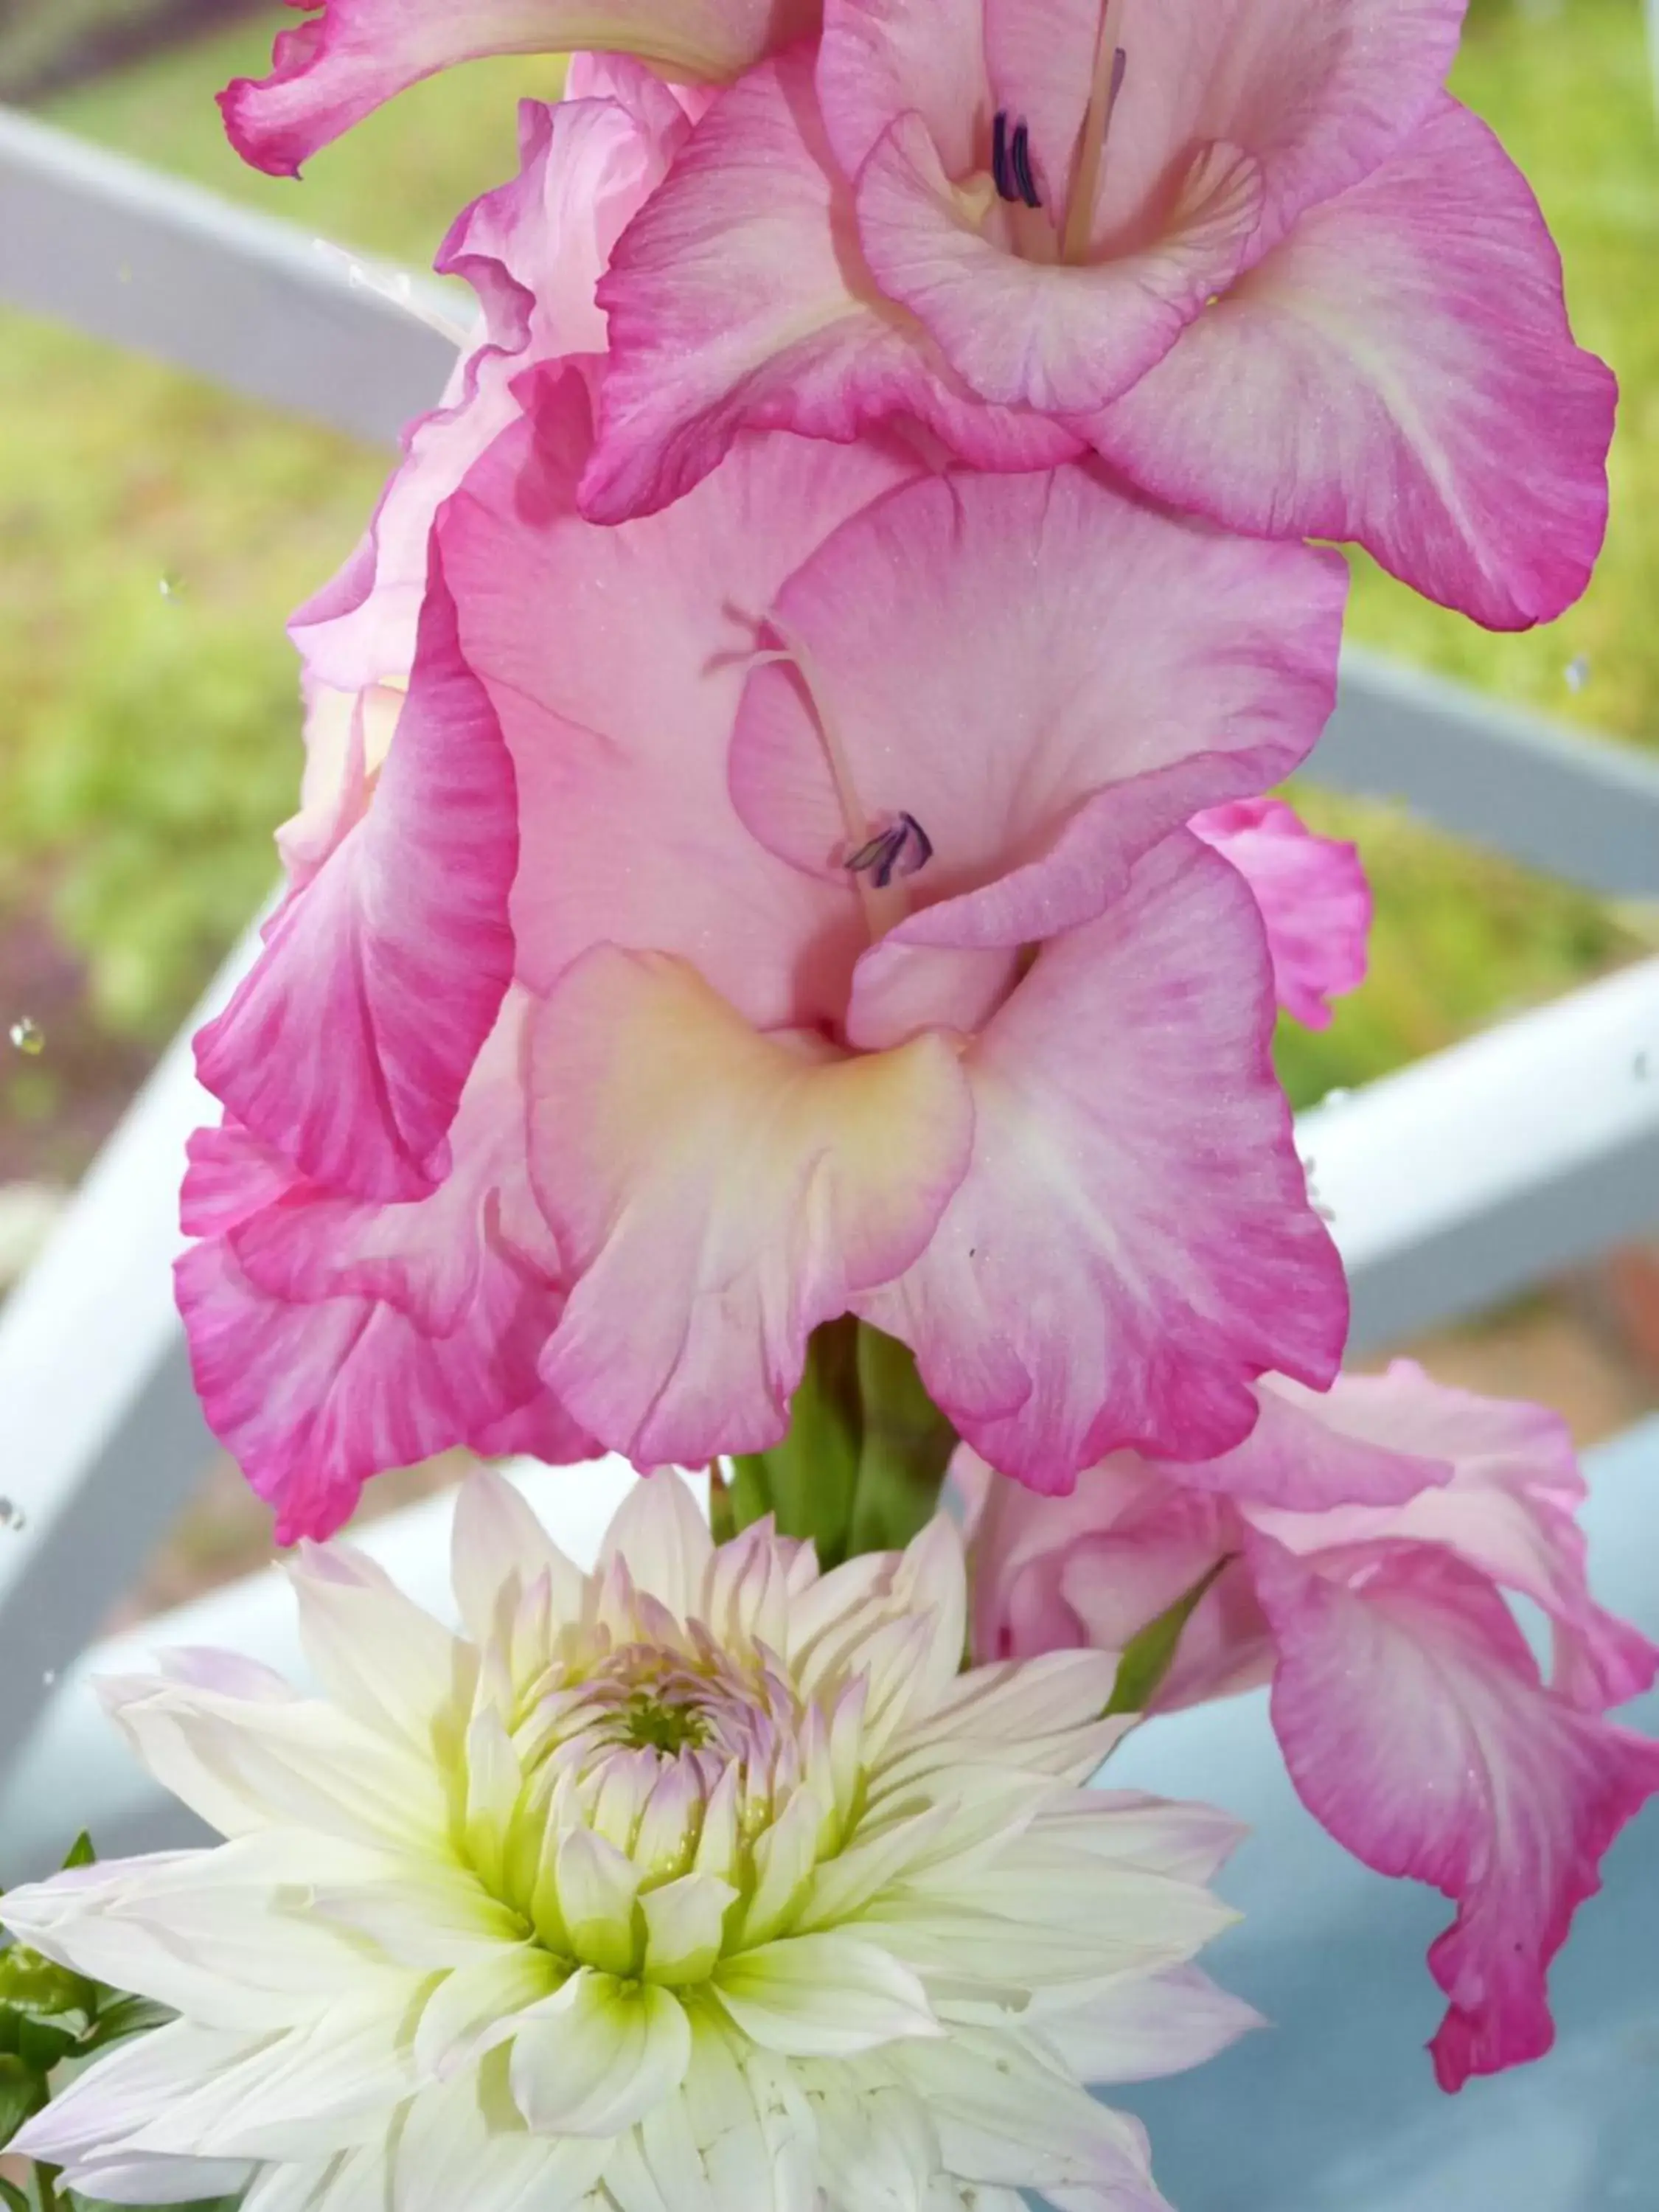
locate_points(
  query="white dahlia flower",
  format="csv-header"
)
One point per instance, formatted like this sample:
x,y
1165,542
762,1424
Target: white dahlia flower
x,y
702,1883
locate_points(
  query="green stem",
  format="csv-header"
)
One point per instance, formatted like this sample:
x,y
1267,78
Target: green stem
x,y
46,2183
861,1466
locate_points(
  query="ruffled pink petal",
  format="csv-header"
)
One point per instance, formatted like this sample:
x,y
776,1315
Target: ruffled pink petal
x,y
532,250
1041,334
1301,1462
347,1047
1508,1510
1133,1244
615,659
1074,674
332,1339
717,1193
737,297
342,61
1313,894
1416,1729
1399,372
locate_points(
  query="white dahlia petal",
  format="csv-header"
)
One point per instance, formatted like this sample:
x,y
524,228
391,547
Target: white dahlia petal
x,y
698,1882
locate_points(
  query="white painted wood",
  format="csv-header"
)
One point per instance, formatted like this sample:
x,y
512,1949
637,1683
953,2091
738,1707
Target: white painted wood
x,y
1519,1152
124,252
104,1439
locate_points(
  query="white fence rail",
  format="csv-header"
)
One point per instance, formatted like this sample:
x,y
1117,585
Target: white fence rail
x,y
1454,1183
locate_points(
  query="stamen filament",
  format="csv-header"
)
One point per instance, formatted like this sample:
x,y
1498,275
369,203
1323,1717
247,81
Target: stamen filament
x,y
1092,139
882,908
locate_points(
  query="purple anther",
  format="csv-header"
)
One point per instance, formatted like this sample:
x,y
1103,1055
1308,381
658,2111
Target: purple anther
x,y
1019,160
1002,175
900,848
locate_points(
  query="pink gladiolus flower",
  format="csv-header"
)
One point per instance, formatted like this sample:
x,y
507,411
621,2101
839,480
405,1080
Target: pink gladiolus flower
x,y
1249,250
1314,901
824,835
346,57
1369,1536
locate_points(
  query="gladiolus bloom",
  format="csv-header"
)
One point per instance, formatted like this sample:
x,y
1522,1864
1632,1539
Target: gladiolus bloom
x,y
700,1882
831,825
1249,250
1368,1536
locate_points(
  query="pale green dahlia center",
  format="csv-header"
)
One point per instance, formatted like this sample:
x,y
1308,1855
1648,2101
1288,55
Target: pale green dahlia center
x,y
670,1800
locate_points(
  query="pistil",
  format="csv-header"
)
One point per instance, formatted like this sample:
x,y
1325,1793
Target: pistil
x,y
1110,62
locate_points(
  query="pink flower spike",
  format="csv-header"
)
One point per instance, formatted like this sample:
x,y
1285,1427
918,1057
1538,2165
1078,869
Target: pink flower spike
x,y
1416,1729
346,57
348,1046
1314,897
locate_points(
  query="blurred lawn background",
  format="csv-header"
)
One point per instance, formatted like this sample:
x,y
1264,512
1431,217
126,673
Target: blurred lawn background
x,y
154,532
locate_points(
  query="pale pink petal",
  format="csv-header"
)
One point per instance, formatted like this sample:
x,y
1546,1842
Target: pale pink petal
x,y
1303,1456
879,59
1133,1244
332,1339
347,1047
1094,1568
1415,1727
1313,895
1044,334
716,1195
738,297
348,56
1508,1510
1073,674
1398,371
1317,91
347,737
532,250
618,708
1148,2025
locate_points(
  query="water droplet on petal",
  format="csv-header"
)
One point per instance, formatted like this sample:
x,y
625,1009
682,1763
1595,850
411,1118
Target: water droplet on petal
x,y
1576,674
1339,1095
168,588
12,1515
1642,1066
49,1678
27,1036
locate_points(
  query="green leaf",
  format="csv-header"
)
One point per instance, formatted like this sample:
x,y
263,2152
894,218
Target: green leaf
x,y
13,2197
34,1985
126,2016
81,1852
43,2046
200,2204
1150,1654
23,2092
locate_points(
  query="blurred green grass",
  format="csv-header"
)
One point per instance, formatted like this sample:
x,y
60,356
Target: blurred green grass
x,y
150,740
